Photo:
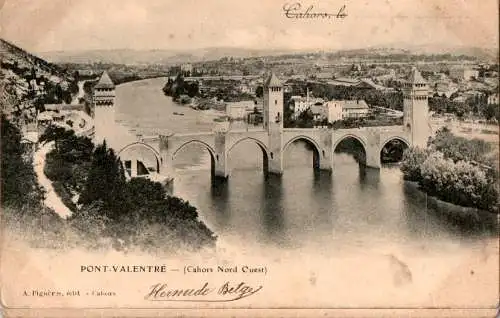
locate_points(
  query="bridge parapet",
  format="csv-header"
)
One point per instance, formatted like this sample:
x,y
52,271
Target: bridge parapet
x,y
273,145
190,134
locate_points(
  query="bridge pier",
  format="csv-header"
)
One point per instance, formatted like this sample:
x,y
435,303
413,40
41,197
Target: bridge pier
x,y
326,152
373,149
133,168
373,160
221,168
326,164
275,165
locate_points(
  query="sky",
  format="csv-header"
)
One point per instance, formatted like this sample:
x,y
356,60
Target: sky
x,y
73,25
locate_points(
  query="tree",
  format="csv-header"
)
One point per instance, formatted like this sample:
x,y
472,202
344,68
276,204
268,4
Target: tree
x,y
192,89
305,119
56,134
459,148
259,91
19,186
105,182
491,111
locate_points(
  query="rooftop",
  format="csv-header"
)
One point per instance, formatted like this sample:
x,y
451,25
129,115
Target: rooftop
x,y
415,77
105,81
354,104
273,81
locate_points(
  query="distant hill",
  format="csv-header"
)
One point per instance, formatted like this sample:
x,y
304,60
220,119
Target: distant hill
x,y
480,53
170,57
129,56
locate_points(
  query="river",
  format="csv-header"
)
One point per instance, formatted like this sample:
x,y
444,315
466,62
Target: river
x,y
307,216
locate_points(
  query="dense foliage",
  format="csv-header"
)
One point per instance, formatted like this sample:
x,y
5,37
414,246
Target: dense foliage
x,y
109,206
178,87
108,210
453,169
19,186
460,148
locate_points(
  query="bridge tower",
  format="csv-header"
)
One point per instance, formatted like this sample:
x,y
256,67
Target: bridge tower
x,y
103,107
416,109
273,122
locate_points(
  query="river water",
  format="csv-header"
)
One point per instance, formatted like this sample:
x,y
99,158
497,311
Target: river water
x,y
303,215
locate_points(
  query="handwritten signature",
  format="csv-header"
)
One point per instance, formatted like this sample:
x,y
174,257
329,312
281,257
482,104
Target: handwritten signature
x,y
295,11
226,292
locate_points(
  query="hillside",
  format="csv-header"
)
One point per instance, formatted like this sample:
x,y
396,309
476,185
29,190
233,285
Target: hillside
x,y
27,82
11,54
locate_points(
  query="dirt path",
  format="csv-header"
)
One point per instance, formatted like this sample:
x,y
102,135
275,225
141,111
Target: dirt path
x,y
52,200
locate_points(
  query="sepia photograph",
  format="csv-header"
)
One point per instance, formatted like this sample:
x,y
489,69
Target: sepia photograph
x,y
266,158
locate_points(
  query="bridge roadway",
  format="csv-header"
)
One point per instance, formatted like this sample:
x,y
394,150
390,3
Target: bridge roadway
x,y
273,145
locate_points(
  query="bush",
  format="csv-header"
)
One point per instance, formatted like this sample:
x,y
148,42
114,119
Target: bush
x,y
460,148
413,158
461,183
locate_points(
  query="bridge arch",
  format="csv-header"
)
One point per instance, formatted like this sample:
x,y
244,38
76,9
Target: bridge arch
x,y
257,141
317,150
142,145
386,155
213,156
359,157
206,146
262,146
344,137
399,138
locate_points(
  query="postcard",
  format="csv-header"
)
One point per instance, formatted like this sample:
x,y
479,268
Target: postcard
x,y
333,158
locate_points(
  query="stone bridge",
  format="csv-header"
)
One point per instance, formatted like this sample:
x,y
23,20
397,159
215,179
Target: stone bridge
x,y
163,149
274,139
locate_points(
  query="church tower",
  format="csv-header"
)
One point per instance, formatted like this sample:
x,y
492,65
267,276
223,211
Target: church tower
x,y
273,121
103,102
416,109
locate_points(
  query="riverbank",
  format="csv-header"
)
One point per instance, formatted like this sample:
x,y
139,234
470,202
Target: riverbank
x,y
468,218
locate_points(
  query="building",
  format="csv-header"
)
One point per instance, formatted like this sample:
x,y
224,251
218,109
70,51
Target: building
x,y
493,99
445,87
299,104
334,110
463,73
187,68
246,88
344,81
239,110
319,112
323,76
354,109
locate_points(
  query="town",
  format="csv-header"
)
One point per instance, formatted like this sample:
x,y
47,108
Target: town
x,y
292,156
355,88
371,104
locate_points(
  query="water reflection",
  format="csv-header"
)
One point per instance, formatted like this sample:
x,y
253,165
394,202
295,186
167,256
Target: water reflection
x,y
271,209
322,187
355,206
368,177
220,196
427,217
